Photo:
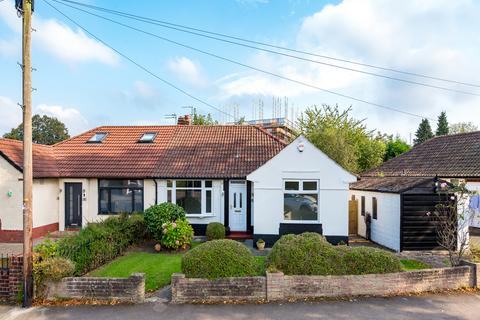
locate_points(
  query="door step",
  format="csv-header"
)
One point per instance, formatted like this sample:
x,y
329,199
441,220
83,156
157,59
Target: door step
x,y
239,235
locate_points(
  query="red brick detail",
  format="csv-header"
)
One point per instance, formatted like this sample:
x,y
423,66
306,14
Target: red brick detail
x,y
17,235
11,278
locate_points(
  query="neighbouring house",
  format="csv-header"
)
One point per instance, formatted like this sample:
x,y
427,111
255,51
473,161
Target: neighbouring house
x,y
400,192
239,175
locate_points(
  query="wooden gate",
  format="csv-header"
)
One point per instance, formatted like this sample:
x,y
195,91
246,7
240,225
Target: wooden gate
x,y
353,217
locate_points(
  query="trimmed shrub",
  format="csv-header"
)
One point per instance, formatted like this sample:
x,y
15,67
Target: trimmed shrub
x,y
50,269
305,254
218,259
178,234
215,231
101,242
365,260
311,254
157,215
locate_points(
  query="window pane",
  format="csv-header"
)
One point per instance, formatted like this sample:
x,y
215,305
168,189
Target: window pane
x,y
135,183
169,195
310,185
208,196
300,206
138,203
121,200
148,137
98,137
291,185
103,200
121,183
189,184
190,200
169,183
208,184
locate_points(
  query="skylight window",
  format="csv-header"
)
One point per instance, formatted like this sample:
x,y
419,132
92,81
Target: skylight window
x,y
98,137
148,137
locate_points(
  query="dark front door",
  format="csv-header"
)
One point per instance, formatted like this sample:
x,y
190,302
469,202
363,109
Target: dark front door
x,y
73,205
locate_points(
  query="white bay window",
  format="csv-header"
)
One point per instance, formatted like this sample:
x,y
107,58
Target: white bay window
x,y
300,200
195,196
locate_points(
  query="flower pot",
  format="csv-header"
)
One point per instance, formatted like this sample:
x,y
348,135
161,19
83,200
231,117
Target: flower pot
x,y
261,245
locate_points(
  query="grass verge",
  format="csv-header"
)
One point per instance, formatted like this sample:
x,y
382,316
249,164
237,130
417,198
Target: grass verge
x,y
409,264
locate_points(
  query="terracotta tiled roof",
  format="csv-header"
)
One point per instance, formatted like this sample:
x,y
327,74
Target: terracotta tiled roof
x,y
177,151
387,184
446,156
44,162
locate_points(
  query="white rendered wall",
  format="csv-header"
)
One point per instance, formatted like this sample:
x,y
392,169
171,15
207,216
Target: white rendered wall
x,y
10,207
311,164
385,230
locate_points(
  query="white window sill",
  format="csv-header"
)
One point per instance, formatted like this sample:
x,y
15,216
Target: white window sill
x,y
302,221
201,216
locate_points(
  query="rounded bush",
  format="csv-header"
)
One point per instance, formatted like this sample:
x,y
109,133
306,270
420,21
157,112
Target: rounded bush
x,y
364,260
218,259
176,235
311,254
304,254
157,215
215,231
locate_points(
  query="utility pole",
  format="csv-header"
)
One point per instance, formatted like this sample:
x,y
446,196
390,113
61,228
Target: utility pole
x,y
25,7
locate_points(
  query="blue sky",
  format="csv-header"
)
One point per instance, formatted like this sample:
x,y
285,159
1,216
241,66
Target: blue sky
x,y
85,84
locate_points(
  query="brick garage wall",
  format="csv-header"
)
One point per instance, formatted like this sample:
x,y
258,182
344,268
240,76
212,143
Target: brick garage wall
x,y
130,289
278,287
185,290
11,278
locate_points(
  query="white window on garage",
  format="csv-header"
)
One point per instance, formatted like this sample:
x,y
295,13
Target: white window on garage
x,y
300,200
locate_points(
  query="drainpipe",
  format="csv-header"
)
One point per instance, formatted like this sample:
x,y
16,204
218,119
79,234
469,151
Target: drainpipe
x,y
156,190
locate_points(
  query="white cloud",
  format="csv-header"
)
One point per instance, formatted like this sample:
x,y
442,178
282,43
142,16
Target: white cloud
x,y
71,117
10,115
187,71
430,37
69,45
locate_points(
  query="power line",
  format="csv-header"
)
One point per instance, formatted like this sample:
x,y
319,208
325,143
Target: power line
x,y
175,26
248,66
136,63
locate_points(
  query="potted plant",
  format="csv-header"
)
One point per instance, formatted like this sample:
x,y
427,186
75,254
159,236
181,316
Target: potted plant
x,y
260,244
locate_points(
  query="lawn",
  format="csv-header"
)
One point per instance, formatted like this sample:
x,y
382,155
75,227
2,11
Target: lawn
x,y
158,267
408,265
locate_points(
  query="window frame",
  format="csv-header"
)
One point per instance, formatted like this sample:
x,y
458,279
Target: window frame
x,y
374,208
149,140
301,191
105,134
109,196
172,195
362,205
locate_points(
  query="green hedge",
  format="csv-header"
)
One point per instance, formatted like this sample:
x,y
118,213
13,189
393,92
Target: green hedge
x,y
158,215
311,254
218,259
215,231
101,242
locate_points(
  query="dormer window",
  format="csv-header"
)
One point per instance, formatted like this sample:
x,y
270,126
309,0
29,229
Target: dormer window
x,y
98,137
147,137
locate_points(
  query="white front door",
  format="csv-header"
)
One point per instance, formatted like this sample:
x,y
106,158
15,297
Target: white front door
x,y
238,205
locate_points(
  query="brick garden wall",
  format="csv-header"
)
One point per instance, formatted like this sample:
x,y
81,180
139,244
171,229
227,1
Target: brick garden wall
x,y
130,289
278,287
11,278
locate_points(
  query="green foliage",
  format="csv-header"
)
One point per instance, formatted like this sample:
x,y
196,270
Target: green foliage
x,y
205,120
218,259
45,130
442,125
157,215
101,242
46,249
215,231
395,147
409,264
50,269
424,132
311,254
343,138
462,127
475,252
178,234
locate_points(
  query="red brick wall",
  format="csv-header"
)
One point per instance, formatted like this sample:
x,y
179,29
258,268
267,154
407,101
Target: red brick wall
x,y
11,278
17,235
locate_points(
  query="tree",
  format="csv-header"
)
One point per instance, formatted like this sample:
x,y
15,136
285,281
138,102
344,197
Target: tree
x,y
343,138
462,127
395,147
424,132
204,120
442,125
46,130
